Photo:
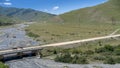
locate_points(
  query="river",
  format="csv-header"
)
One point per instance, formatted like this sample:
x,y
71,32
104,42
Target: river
x,y
15,36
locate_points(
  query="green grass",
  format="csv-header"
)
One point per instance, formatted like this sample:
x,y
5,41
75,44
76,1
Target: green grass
x,y
93,52
3,65
57,32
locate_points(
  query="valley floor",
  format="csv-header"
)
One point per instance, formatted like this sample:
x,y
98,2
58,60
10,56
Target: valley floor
x,y
62,32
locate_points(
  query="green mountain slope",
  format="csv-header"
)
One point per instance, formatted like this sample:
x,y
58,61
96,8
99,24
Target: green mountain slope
x,y
24,14
108,13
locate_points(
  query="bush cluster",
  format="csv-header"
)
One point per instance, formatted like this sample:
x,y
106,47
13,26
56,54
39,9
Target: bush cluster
x,y
5,21
32,34
67,58
107,54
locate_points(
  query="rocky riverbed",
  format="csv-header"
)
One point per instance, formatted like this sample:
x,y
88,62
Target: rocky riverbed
x,y
15,36
34,62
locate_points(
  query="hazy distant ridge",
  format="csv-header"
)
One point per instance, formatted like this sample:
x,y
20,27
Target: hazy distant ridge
x,y
25,14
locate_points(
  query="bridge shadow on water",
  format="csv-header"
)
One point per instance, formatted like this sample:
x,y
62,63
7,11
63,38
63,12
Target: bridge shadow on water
x,y
17,57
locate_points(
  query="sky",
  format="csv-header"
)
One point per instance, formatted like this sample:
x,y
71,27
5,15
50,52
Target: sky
x,y
51,6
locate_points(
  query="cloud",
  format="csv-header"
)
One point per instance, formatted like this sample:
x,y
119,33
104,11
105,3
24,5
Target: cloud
x,y
7,0
7,3
45,10
56,7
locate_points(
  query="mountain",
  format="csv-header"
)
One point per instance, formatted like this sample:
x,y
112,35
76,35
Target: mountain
x,y
108,12
24,14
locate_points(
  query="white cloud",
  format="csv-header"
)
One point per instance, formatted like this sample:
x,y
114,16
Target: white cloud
x,y
45,10
56,7
7,3
7,0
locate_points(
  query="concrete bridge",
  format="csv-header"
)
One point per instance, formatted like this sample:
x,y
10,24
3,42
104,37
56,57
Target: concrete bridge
x,y
36,49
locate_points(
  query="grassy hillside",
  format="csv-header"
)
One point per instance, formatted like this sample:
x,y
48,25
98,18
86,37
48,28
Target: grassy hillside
x,y
24,14
104,13
100,20
6,21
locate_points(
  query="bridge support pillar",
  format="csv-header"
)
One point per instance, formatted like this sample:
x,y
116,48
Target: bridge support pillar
x,y
2,58
37,53
20,54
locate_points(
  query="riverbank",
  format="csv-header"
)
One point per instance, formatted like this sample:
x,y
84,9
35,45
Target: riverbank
x,y
46,63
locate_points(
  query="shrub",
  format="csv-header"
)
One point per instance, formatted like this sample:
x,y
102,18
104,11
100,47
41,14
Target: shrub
x,y
106,48
110,60
82,60
75,58
76,51
66,58
117,60
89,52
100,43
100,50
117,51
54,52
99,58
79,60
32,35
109,48
4,21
